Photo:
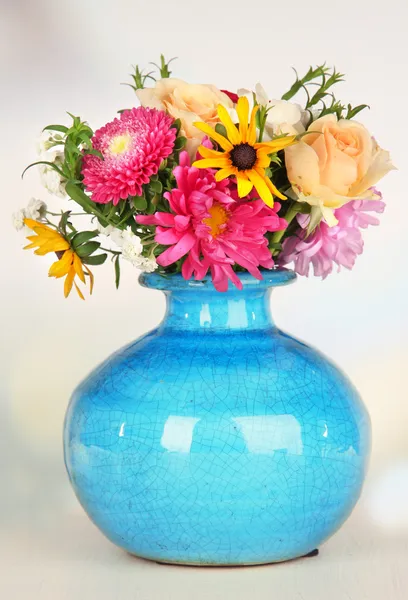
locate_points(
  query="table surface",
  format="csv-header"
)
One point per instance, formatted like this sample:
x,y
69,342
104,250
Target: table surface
x,y
71,560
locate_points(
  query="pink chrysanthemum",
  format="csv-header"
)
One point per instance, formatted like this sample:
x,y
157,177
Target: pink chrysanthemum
x,y
327,246
212,228
133,147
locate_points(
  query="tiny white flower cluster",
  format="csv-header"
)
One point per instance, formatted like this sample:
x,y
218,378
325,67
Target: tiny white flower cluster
x,y
48,151
35,210
131,247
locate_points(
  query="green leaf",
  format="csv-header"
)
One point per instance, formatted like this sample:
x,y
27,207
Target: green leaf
x,y
156,186
95,153
71,148
87,249
43,162
63,221
176,124
117,271
85,140
275,246
352,112
81,198
98,259
180,142
219,128
82,237
60,128
139,202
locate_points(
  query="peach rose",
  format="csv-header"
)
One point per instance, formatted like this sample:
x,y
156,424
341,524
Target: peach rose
x,y
188,102
338,163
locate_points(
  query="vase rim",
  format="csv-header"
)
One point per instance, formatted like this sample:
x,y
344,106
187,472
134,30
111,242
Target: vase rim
x,y
271,278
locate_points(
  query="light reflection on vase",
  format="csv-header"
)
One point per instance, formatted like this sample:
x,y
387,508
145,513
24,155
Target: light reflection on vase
x,y
217,438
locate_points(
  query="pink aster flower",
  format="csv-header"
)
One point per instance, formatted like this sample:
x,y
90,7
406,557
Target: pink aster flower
x,y
212,228
327,246
133,147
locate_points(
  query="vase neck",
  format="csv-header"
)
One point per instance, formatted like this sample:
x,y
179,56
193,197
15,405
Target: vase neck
x,y
204,310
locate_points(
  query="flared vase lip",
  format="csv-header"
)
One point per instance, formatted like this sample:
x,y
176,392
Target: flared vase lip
x,y
270,278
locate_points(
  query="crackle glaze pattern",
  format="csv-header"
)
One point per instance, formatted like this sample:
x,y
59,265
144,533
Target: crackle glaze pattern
x,y
217,438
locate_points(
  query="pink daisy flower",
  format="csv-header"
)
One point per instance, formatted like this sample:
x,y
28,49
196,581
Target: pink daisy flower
x,y
133,147
212,229
328,246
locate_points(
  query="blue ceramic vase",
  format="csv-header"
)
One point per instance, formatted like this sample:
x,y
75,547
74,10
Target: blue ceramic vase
x,y
217,439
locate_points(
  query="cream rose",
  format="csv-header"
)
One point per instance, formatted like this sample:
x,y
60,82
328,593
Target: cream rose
x,y
337,162
187,102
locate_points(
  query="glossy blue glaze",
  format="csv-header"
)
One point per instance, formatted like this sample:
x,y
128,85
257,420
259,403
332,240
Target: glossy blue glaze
x,y
217,438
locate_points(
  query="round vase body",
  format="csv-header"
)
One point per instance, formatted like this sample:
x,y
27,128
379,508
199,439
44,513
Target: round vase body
x,y
217,439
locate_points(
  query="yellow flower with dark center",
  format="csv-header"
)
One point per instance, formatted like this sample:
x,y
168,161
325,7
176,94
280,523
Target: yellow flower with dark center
x,y
242,155
68,264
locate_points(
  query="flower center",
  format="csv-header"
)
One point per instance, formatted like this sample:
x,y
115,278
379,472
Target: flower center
x,y
219,217
120,144
243,156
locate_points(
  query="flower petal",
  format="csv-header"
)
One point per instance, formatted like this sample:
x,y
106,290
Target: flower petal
x,y
220,139
273,188
277,144
69,280
61,267
212,163
173,254
261,187
78,268
244,185
224,173
80,294
242,109
251,135
232,132
91,279
209,152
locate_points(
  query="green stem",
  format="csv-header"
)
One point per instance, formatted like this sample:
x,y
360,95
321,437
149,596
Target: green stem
x,y
291,213
71,214
109,250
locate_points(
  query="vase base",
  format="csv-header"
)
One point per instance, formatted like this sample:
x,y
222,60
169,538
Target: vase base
x,y
314,552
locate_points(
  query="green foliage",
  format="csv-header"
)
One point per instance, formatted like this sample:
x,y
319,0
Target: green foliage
x,y
87,249
75,192
352,112
76,142
317,84
140,203
163,67
117,271
139,79
95,260
82,237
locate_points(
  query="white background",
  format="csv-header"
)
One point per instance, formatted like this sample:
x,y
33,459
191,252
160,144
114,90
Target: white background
x,y
58,56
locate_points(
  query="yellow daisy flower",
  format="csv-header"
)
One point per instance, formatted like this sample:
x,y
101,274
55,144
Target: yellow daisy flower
x,y
242,156
68,265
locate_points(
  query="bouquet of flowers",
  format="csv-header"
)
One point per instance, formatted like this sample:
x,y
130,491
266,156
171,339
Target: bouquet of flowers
x,y
200,181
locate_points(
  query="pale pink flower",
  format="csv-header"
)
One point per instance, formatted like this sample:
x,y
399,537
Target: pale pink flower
x,y
213,229
328,246
133,147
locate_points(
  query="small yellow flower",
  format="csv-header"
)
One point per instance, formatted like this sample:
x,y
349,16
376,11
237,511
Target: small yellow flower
x,y
242,156
68,265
